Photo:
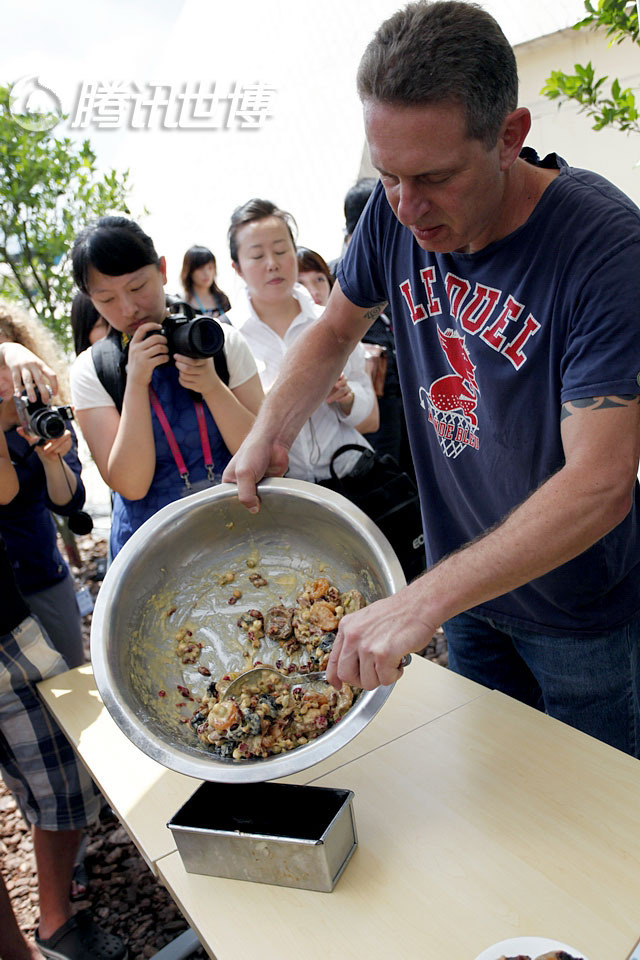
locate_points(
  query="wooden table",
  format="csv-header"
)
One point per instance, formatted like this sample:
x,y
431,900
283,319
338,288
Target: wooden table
x,y
478,819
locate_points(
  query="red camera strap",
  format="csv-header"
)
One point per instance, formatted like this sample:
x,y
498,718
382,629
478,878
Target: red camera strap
x,y
173,443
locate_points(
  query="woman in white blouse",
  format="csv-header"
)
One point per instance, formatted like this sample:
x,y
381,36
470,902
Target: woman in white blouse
x,y
276,309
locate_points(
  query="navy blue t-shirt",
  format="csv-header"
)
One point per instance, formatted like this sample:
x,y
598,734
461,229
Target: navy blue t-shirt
x,y
13,609
26,522
490,345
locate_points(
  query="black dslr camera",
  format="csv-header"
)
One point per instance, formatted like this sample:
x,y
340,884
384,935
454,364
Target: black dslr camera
x,y
189,334
41,420
48,423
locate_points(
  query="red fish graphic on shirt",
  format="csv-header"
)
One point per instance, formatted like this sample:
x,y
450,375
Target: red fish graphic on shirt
x,y
459,390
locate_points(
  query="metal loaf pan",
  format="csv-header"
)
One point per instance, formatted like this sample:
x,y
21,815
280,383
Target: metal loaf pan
x,y
280,833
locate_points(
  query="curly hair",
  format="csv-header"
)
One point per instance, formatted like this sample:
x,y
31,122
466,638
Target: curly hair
x,y
18,326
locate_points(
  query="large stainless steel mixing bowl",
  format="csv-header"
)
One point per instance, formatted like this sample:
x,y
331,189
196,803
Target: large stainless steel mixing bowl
x,y
177,559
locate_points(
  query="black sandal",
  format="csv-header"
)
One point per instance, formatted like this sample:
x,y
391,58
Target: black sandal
x,y
80,938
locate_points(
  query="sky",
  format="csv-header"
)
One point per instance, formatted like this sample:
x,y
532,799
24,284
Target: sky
x,y
301,57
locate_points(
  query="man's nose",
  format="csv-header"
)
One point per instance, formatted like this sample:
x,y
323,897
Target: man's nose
x,y
412,204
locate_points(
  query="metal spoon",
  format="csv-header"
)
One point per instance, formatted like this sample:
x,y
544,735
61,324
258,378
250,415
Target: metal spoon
x,y
236,686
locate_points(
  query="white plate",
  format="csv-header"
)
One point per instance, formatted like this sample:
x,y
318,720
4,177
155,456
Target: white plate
x,y
529,946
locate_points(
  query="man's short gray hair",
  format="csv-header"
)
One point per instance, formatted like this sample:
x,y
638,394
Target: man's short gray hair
x,y
443,52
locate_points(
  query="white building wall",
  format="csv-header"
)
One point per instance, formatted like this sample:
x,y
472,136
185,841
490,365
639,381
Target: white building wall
x,y
610,152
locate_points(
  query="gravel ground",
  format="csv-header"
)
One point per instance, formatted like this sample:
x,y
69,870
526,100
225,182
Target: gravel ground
x,y
123,894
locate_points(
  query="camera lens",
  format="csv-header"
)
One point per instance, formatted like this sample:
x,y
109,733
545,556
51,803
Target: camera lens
x,y
47,424
201,337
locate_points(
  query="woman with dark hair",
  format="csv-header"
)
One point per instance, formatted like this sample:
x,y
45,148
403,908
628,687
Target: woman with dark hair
x,y
87,324
275,311
160,424
198,279
314,274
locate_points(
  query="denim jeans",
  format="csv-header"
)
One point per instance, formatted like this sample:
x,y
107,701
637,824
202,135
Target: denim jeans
x,y
592,683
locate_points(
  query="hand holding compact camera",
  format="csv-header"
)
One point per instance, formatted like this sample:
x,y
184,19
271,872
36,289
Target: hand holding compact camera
x,y
28,371
39,419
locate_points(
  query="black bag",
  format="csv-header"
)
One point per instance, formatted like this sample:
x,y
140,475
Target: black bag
x,y
382,490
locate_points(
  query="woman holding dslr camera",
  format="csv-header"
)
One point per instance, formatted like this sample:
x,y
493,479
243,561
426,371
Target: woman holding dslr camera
x,y
49,476
170,423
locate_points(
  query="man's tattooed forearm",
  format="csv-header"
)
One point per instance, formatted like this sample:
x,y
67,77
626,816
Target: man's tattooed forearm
x,y
597,403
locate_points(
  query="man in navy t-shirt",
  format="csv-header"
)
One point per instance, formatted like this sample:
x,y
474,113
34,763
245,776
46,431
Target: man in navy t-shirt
x,y
514,287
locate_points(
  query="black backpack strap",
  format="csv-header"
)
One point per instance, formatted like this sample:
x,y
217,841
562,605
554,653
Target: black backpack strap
x,y
110,361
222,369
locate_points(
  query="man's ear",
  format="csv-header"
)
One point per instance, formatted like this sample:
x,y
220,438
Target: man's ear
x,y
162,267
512,135
236,267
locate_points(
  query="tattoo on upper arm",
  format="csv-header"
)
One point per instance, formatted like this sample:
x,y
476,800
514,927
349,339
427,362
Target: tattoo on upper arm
x,y
373,312
597,403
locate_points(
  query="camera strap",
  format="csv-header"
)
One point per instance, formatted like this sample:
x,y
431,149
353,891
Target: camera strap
x,y
173,443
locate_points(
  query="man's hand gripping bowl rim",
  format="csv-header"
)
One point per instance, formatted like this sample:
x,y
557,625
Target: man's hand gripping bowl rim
x,y
255,460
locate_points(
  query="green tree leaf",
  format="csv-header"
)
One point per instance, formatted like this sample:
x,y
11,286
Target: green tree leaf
x,y
619,20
